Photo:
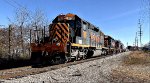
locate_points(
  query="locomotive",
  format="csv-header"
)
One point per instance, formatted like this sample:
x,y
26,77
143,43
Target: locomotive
x,y
72,38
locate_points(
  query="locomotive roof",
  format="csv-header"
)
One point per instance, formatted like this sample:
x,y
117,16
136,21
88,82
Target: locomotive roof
x,y
107,36
76,16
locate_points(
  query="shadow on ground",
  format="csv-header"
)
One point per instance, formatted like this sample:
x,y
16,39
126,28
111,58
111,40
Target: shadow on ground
x,y
11,63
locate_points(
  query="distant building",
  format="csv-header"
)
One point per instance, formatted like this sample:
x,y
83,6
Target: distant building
x,y
146,46
132,48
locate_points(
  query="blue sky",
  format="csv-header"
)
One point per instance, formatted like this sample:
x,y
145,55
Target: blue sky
x,y
118,18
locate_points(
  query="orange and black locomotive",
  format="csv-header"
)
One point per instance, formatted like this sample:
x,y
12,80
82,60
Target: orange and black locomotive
x,y
72,38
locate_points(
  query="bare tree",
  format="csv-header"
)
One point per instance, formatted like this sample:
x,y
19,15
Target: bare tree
x,y
22,16
39,20
22,30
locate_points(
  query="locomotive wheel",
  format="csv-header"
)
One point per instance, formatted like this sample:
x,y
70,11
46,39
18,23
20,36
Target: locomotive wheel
x,y
89,54
58,59
105,53
77,57
83,56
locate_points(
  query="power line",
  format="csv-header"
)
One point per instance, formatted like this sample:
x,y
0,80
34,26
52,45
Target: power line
x,y
9,3
12,2
17,3
145,14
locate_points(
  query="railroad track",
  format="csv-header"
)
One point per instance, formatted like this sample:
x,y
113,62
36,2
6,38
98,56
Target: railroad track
x,y
20,72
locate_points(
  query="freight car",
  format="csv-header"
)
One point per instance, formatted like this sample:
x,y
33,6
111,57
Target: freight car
x,y
109,44
119,46
113,46
71,38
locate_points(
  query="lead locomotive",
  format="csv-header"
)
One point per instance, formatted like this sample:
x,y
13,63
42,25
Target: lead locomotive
x,y
72,38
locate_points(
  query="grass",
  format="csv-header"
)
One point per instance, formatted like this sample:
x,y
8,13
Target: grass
x,y
137,57
135,68
13,61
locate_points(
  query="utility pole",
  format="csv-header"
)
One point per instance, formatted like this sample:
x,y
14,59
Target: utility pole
x,y
21,33
136,39
9,39
30,42
140,32
44,34
133,43
137,42
149,21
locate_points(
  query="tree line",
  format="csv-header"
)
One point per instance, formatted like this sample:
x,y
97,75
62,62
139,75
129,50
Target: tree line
x,y
16,37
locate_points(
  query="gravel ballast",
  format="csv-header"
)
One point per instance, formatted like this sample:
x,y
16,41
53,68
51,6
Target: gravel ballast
x,y
97,71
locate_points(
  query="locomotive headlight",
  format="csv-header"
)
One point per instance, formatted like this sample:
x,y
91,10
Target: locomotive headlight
x,y
57,44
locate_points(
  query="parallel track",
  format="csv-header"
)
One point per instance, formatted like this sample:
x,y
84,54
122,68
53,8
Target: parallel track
x,y
28,70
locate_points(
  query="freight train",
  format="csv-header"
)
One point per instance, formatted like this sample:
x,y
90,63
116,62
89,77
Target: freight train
x,y
72,38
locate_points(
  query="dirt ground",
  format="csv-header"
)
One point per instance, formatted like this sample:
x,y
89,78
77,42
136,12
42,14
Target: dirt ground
x,y
128,67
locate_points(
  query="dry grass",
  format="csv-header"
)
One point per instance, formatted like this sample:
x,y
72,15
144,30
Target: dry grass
x,y
137,57
135,68
130,76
